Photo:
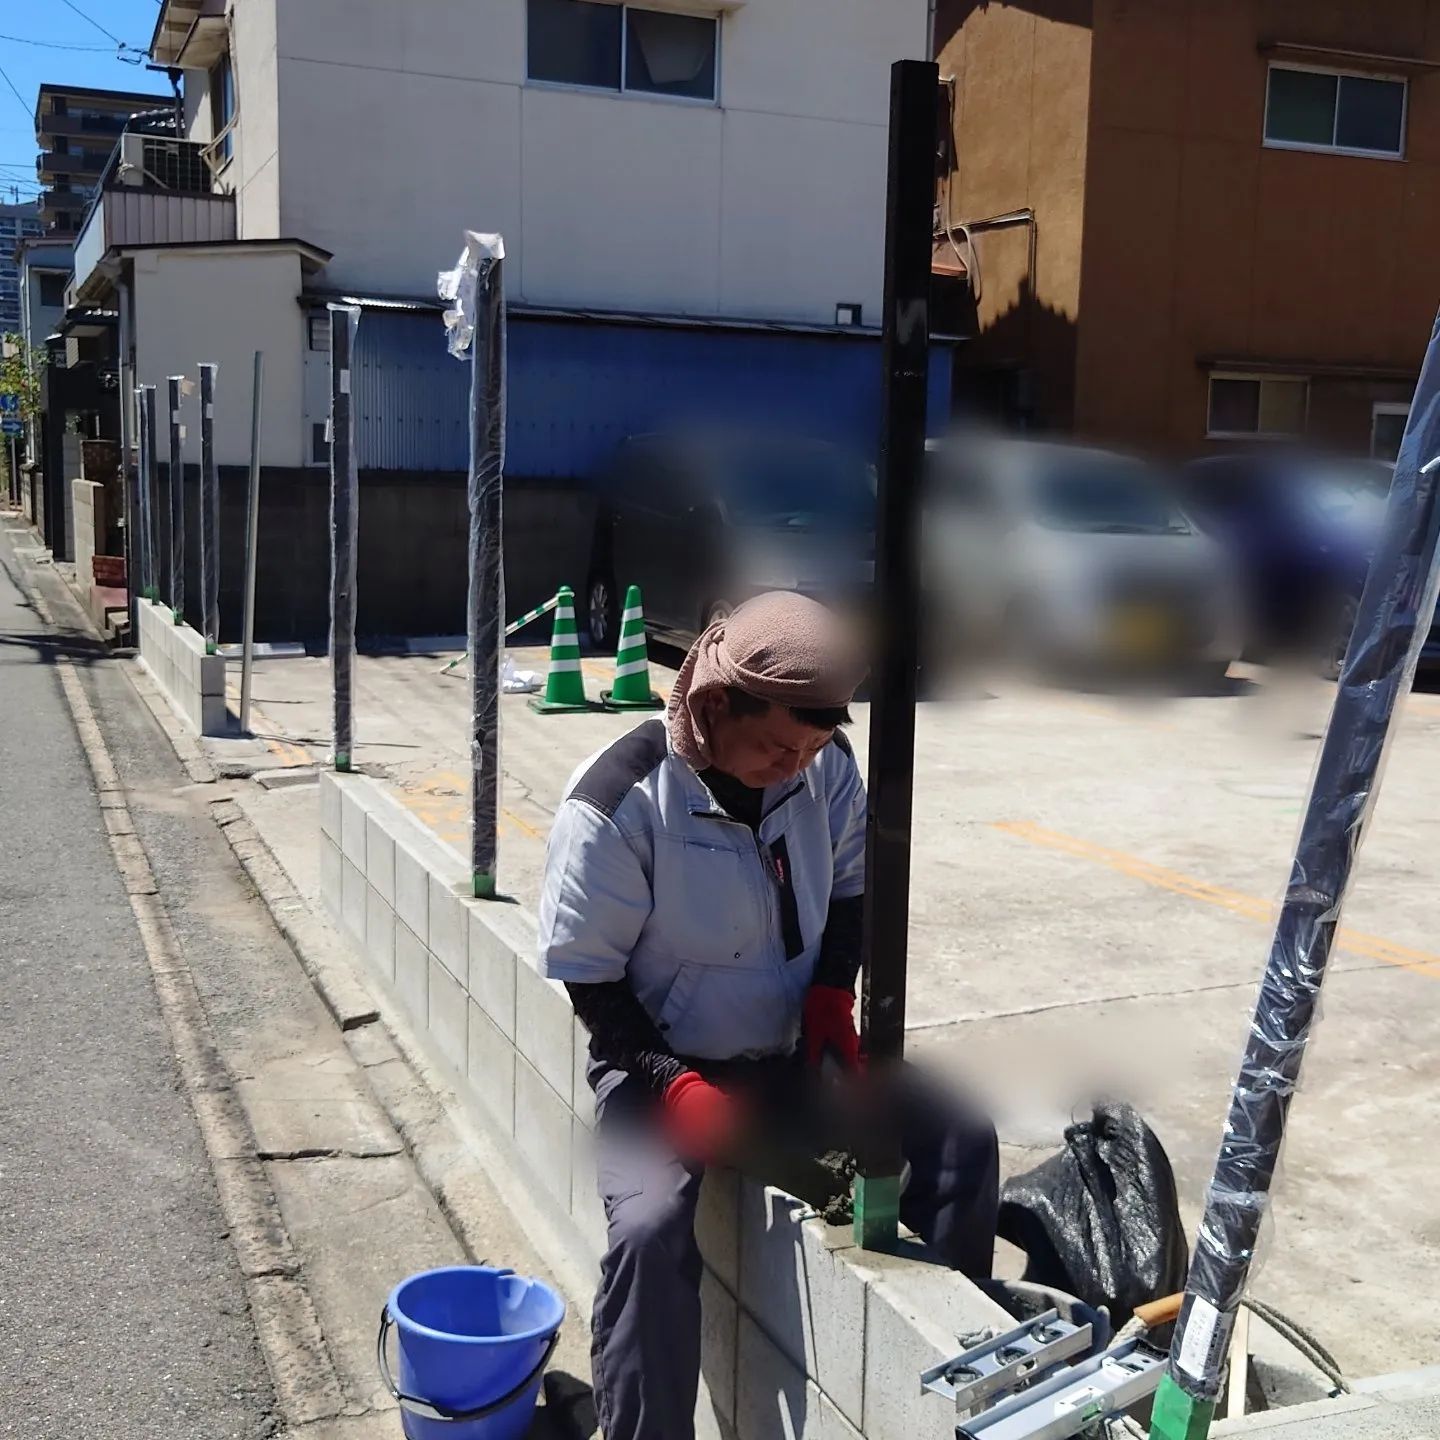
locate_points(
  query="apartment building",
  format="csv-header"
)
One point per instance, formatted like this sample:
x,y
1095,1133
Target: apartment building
x,y
1197,223
76,130
18,223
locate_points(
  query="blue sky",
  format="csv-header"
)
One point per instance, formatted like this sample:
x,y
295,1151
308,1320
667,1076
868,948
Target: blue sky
x,y
29,65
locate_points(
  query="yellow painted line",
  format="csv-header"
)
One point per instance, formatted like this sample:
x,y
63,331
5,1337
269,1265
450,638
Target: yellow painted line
x,y
286,750
1249,907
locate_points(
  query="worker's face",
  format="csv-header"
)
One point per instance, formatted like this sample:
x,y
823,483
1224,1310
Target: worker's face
x,y
761,750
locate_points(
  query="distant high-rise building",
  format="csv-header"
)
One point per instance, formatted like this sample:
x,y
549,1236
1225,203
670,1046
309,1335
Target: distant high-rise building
x,y
76,130
17,223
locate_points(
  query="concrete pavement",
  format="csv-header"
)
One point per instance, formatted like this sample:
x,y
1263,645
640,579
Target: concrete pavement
x,y
305,1201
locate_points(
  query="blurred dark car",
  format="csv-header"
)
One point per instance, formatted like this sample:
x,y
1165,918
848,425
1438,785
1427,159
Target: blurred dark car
x,y
702,522
1071,560
1300,530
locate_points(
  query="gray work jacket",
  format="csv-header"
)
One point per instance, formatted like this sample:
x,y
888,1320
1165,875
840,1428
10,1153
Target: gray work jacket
x,y
717,930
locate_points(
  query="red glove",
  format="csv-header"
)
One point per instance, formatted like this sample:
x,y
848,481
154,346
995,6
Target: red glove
x,y
829,1024
700,1118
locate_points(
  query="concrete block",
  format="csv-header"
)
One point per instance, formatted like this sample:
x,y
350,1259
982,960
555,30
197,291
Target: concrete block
x,y
213,715
543,1131
352,825
352,901
719,1343
586,1208
491,1061
379,933
330,807
806,1292
717,1224
449,929
545,1029
492,970
914,1309
412,889
412,973
380,859
777,1400
449,1016
582,1098
331,876
211,674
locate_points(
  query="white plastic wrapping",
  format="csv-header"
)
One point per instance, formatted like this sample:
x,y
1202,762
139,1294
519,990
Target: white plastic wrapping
x,y
344,529
1394,618
177,501
476,322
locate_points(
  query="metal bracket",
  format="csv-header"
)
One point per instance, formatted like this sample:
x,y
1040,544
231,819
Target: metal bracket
x,y
1021,1385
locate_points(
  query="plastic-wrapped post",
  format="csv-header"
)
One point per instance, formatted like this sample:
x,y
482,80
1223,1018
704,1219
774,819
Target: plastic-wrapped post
x,y
477,321
914,98
144,553
344,530
177,504
1394,618
152,488
209,513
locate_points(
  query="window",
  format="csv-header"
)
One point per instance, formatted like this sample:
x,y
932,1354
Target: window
x,y
1387,429
1257,405
52,289
1335,110
317,327
624,48
222,106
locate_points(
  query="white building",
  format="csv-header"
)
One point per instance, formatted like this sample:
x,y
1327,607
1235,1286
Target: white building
x,y
716,159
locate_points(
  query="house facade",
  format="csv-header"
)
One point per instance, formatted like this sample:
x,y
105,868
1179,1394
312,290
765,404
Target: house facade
x,y
1198,223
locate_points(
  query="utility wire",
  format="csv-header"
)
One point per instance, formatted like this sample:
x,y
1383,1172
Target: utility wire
x,y
53,44
95,23
19,98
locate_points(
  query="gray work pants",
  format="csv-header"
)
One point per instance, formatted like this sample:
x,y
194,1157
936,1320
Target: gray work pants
x,y
645,1353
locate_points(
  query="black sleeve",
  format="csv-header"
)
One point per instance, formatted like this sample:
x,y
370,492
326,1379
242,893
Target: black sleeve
x,y
839,962
622,1034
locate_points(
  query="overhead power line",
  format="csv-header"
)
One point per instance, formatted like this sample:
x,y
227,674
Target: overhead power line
x,y
19,98
53,44
94,22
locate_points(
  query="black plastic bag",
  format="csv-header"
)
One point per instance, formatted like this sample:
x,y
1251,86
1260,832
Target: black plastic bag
x,y
1101,1220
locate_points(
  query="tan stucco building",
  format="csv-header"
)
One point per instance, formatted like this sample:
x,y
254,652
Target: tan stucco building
x,y
1196,222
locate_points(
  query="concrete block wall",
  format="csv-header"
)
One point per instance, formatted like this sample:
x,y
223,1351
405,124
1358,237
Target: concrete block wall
x,y
193,682
805,1337
88,503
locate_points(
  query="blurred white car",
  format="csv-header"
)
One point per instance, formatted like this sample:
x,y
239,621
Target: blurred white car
x,y
1070,558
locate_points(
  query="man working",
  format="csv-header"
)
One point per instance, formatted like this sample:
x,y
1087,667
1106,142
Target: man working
x,y
702,897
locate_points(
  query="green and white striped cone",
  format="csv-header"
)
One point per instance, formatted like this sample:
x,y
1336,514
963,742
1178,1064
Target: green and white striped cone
x,y
564,684
632,662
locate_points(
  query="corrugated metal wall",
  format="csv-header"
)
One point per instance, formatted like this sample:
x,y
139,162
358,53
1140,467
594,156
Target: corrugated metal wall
x,y
577,388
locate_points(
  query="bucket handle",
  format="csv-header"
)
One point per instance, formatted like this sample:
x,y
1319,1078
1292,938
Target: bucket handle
x,y
430,1411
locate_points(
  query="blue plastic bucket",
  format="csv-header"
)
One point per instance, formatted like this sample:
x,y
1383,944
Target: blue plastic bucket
x,y
473,1345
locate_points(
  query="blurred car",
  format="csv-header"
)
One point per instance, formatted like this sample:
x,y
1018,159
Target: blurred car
x,y
701,522
1070,558
1300,529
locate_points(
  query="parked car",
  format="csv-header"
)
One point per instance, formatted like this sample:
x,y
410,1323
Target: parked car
x,y
1300,529
700,522
1072,559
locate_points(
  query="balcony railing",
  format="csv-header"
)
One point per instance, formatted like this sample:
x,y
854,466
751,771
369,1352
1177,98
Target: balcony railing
x,y
155,191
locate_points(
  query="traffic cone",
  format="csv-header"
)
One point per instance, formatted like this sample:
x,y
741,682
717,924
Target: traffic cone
x,y
632,662
564,684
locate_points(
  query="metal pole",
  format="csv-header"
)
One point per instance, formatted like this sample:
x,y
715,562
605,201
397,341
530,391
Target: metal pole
x,y
177,504
344,529
914,103
1393,620
142,533
152,492
14,475
485,625
252,536
209,514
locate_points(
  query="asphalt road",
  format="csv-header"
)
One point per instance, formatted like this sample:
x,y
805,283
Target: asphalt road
x,y
121,1305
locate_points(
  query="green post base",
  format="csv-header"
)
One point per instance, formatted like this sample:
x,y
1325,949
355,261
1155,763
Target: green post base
x,y
483,885
211,648
877,1211
554,707
1178,1416
610,703
177,617
342,762
150,593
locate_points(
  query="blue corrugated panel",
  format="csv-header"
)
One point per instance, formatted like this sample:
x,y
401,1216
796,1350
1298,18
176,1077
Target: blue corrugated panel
x,y
577,388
